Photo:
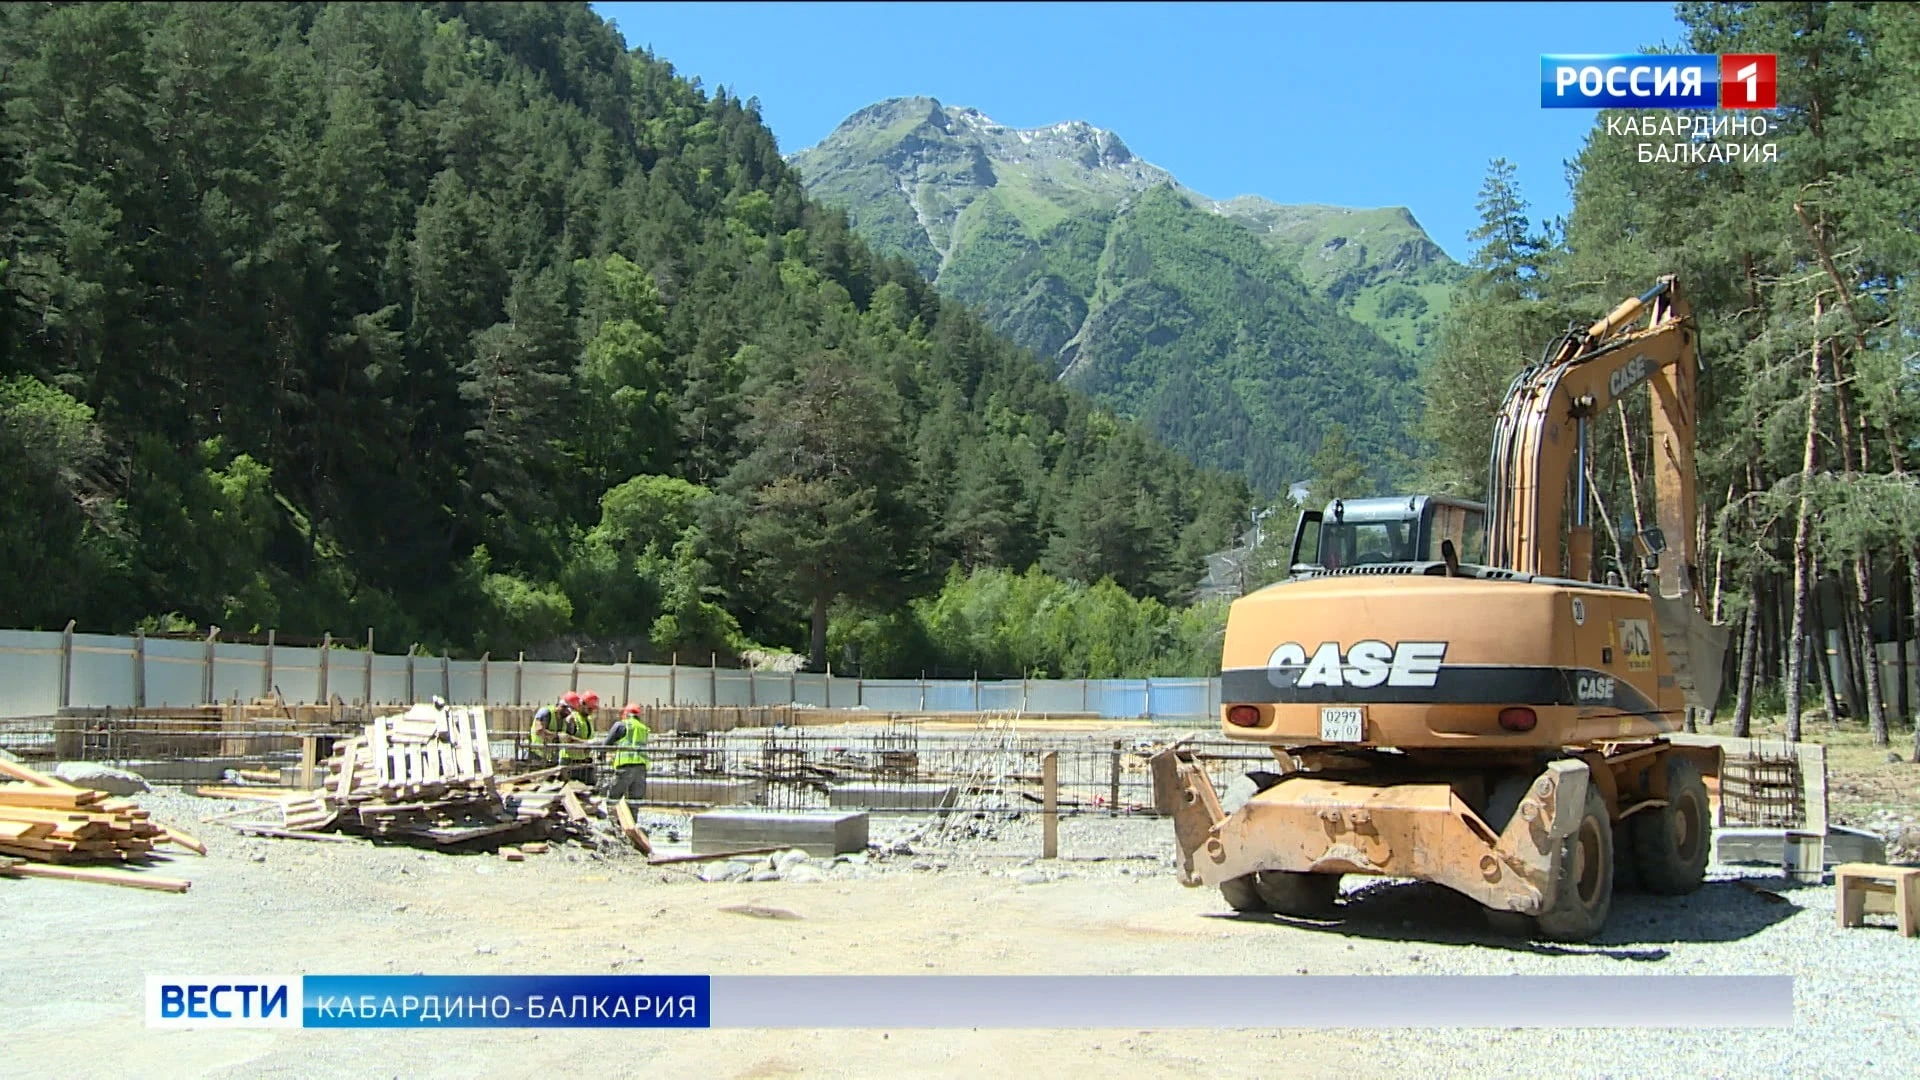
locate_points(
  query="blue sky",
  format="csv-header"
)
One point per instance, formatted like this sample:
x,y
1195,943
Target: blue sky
x,y
1349,104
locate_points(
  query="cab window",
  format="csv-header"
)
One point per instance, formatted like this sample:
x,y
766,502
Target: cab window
x,y
1361,543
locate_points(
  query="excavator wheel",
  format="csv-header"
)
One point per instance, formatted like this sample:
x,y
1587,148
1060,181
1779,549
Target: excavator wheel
x,y
1671,843
1585,893
1243,894
1302,896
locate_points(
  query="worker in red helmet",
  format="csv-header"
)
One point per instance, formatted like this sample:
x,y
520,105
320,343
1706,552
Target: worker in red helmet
x,y
628,740
551,724
580,735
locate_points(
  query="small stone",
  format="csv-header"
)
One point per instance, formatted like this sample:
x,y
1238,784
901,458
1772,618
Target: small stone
x,y
789,859
805,874
483,869
1893,758
922,864
398,908
258,858
483,950
901,847
764,875
1030,877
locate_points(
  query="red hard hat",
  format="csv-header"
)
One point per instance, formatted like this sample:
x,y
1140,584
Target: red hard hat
x,y
631,710
570,699
593,700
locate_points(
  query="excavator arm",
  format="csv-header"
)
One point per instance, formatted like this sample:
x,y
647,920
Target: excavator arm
x,y
1540,453
1542,434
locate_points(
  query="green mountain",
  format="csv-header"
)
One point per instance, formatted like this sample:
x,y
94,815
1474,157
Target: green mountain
x,y
1238,330
467,323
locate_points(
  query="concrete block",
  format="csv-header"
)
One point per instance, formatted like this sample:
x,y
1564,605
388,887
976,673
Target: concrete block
x,y
1768,847
898,797
824,835
685,789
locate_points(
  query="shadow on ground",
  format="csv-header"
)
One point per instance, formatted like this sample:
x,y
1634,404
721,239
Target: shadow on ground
x,y
1639,929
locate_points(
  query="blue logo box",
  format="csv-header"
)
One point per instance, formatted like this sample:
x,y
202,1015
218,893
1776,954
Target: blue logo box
x,y
1629,82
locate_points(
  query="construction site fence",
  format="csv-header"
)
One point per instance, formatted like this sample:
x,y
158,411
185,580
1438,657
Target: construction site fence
x,y
45,672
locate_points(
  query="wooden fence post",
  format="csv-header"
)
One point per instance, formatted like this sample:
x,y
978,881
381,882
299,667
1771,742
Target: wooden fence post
x,y
206,685
673,681
410,648
575,684
266,674
326,662
1113,785
446,677
139,669
519,679
369,678
66,665
626,682
1050,805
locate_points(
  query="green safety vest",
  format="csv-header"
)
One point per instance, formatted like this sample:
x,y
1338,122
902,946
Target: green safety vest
x,y
582,729
534,738
630,743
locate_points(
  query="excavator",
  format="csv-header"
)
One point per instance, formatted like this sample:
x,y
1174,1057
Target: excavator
x,y
1455,693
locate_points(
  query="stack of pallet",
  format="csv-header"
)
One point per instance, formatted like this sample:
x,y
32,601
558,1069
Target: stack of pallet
x,y
43,820
429,774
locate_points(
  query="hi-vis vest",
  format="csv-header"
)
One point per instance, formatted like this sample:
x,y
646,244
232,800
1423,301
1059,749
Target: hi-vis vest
x,y
546,716
582,729
630,743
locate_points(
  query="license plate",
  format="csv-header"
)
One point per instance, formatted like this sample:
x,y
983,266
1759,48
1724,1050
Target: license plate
x,y
1343,724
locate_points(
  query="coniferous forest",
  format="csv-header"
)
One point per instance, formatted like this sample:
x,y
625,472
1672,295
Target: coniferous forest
x,y
466,324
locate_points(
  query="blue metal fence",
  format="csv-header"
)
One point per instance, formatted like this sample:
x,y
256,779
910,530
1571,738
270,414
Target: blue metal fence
x,y
42,672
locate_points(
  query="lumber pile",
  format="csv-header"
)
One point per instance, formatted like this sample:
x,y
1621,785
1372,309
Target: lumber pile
x,y
43,820
424,775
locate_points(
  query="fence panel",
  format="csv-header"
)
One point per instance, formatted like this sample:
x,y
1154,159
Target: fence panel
x,y
29,672
238,671
296,674
1180,697
176,672
389,678
1058,696
545,681
102,673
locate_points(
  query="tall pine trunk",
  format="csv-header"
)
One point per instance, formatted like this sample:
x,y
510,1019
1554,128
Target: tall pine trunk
x,y
1802,546
1869,663
1749,655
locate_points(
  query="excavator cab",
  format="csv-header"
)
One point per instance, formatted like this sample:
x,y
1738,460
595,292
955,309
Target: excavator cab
x,y
1394,529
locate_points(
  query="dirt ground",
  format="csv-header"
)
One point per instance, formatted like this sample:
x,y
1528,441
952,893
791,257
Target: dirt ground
x,y
76,957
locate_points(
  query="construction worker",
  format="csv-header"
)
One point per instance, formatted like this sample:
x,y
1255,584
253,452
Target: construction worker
x,y
582,737
628,738
550,723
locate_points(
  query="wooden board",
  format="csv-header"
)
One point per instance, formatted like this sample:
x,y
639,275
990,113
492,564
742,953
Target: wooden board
x,y
97,877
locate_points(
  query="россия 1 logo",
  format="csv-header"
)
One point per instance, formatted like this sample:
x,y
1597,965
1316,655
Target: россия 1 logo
x,y
1732,81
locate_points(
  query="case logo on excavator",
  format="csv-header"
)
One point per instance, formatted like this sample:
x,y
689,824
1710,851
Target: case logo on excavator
x,y
1589,688
1368,663
1627,375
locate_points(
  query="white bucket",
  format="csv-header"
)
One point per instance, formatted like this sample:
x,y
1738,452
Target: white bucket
x,y
1804,857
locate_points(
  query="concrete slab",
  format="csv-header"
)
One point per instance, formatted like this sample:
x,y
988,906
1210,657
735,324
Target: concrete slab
x,y
899,797
680,789
190,770
825,835
1767,847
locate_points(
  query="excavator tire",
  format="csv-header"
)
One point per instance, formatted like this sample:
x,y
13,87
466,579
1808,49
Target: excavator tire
x,y
1584,895
1303,896
1671,843
1243,894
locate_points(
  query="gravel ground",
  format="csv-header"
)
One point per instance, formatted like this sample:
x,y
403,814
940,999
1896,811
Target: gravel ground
x,y
968,899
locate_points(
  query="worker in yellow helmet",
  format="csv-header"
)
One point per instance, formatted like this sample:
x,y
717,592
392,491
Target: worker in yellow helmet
x,y
628,740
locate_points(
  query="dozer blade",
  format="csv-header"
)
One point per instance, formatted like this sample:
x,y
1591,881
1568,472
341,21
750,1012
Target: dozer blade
x,y
1696,649
1311,824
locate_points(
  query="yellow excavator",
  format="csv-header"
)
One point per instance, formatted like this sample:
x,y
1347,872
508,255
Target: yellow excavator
x,y
1453,693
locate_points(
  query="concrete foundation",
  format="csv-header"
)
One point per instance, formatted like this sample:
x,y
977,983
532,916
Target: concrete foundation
x,y
825,835
1767,847
907,797
680,789
189,770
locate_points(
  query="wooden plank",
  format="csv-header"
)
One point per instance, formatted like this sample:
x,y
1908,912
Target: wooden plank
x,y
184,840
37,779
572,803
261,794
344,788
377,746
292,834
634,833
25,830
710,856
97,877
46,799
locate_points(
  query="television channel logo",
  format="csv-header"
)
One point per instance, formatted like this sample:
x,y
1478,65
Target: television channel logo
x,y
1730,81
